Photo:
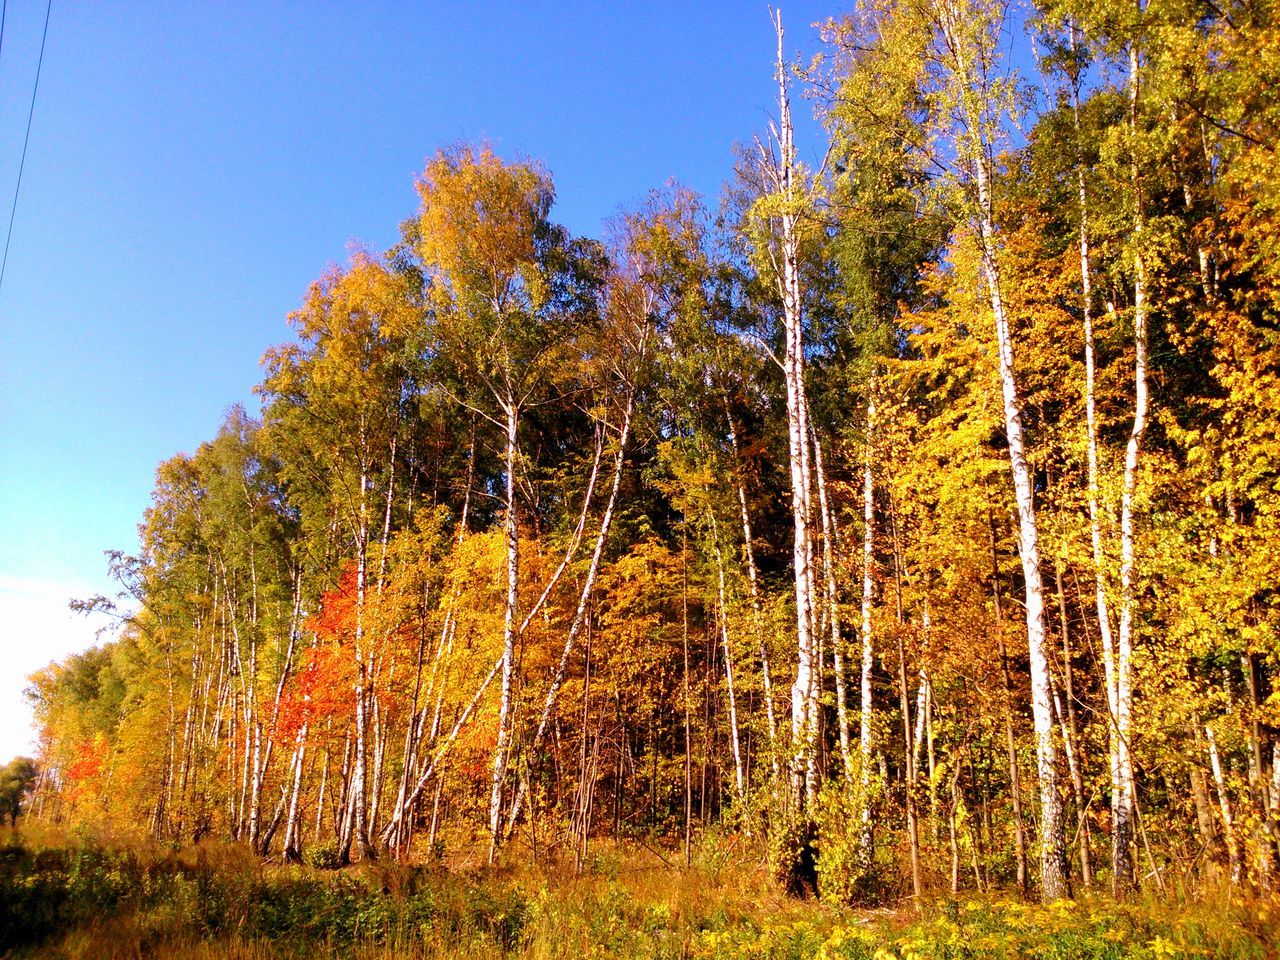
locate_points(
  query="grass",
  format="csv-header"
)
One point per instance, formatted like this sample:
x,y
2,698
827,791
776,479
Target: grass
x,y
104,899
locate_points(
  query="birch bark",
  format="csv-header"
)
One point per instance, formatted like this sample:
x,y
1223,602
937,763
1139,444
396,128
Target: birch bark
x,y
1122,798
865,729
800,505
976,153
829,536
508,632
753,584
781,170
584,597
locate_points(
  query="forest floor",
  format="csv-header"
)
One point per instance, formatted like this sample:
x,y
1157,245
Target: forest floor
x,y
79,898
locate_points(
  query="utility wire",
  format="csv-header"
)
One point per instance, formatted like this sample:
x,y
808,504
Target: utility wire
x,y
4,15
13,210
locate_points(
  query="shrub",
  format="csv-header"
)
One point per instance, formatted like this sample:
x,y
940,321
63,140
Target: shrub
x,y
844,877
792,855
323,856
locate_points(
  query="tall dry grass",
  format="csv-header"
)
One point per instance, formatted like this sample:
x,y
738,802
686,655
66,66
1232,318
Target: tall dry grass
x,y
112,898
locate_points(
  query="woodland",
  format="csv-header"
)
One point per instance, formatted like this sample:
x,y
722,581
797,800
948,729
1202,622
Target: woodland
x,y
880,558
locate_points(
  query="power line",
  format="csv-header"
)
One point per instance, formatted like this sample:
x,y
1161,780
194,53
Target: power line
x,y
13,210
4,15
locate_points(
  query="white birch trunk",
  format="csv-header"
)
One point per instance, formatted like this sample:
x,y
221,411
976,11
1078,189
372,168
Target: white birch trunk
x,y
1107,640
865,730
829,535
293,821
1122,801
1053,860
922,706
508,635
1224,807
441,753
357,817
803,782
735,740
584,597
753,583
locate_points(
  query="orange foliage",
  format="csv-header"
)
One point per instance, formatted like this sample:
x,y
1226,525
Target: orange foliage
x,y
321,688
90,758
336,619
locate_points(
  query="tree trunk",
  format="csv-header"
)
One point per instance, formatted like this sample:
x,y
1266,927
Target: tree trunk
x,y
1224,806
1122,800
909,763
803,780
502,744
735,740
1053,857
1011,743
830,536
1200,796
293,821
754,586
688,707
442,751
584,597
865,729
1265,831
1071,734
1106,641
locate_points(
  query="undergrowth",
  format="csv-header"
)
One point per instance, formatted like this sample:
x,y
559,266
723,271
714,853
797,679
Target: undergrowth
x,y
95,899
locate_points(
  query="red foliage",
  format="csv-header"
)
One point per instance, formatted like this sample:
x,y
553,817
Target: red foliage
x,y
91,755
322,686
336,619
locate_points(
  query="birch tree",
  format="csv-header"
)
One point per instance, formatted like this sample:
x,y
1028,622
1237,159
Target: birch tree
x,y
778,242
335,414
951,50
501,279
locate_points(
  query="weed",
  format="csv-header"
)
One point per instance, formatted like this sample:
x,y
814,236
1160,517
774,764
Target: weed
x,y
90,900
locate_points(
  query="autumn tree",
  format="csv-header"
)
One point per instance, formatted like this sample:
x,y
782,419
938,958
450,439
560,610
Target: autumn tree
x,y
509,290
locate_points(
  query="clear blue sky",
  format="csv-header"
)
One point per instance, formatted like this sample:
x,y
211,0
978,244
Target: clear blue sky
x,y
193,166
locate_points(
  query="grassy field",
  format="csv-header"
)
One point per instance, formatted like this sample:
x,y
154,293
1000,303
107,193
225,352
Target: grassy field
x,y
93,898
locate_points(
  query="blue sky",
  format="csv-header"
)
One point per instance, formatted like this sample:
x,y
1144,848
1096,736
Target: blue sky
x,y
193,166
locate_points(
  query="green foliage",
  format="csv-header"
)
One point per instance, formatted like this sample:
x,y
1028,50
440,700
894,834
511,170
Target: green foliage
x,y
792,854
46,893
845,876
16,780
213,901
324,856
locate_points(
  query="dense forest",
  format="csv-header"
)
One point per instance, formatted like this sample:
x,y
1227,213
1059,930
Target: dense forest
x,y
910,516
